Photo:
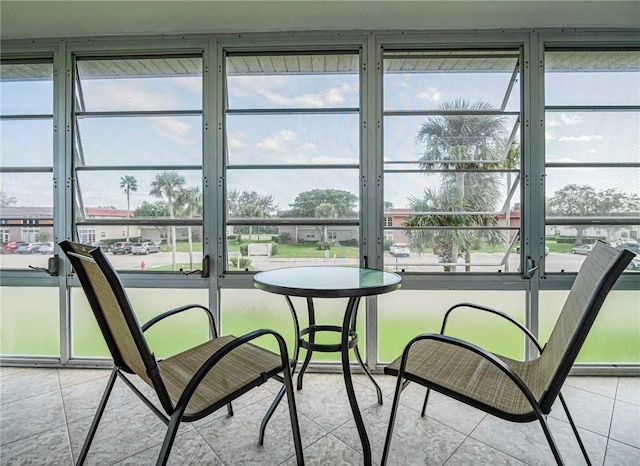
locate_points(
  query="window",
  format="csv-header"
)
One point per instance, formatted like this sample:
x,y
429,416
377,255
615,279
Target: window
x,y
592,100
138,156
292,157
26,158
452,158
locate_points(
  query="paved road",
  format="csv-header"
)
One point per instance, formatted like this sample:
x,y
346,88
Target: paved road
x,y
481,262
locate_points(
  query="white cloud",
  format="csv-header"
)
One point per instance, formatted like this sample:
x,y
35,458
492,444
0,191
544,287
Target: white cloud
x,y
570,119
237,139
279,142
555,120
432,94
582,138
549,137
174,129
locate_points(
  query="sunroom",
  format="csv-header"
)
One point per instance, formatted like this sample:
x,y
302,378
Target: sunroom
x,y
478,162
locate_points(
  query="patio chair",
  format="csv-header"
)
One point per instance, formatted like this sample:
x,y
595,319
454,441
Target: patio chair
x,y
189,385
518,391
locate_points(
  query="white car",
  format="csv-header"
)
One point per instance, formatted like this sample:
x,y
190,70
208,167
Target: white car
x,y
399,250
634,264
146,247
46,248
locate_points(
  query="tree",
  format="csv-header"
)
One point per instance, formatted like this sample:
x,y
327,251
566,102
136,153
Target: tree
x,y
249,204
325,210
584,201
190,202
306,203
149,209
6,200
167,185
128,184
460,145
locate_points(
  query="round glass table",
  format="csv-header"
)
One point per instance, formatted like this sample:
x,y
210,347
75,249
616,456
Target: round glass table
x,y
328,282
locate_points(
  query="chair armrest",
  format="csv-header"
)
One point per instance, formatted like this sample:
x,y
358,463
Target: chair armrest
x,y
170,312
226,349
492,358
504,315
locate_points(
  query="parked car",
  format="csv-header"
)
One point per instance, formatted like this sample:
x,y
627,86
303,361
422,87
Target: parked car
x,y
12,246
399,250
28,248
46,248
634,264
121,247
102,246
582,249
546,250
145,247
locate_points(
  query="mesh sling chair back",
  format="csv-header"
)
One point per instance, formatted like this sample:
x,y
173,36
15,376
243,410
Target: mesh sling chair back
x,y
189,385
518,391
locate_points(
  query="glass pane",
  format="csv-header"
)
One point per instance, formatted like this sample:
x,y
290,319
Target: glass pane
x,y
592,78
263,247
415,138
399,320
148,248
32,192
140,84
29,321
614,335
570,244
149,193
26,89
425,80
175,334
293,193
592,192
26,143
293,81
293,139
246,310
452,181
574,137
139,141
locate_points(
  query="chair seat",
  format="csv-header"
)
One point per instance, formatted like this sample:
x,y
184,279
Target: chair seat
x,y
247,365
457,372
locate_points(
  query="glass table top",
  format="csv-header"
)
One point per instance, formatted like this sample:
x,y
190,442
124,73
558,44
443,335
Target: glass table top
x,y
327,281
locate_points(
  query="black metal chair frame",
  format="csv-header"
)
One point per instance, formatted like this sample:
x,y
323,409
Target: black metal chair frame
x,y
175,414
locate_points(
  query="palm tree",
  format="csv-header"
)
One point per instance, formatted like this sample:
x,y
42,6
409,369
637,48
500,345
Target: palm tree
x,y
129,185
167,185
459,145
190,201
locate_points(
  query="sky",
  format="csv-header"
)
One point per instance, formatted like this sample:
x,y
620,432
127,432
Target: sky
x,y
282,139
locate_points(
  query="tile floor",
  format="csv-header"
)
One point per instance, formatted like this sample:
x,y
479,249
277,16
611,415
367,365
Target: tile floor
x,y
45,414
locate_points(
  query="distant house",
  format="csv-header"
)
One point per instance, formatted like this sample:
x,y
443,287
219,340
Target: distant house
x,y
33,224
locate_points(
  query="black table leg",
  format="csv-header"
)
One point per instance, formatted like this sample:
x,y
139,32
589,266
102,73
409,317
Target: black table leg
x,y
312,339
352,307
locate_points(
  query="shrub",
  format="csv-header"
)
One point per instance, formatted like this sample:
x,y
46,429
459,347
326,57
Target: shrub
x,y
245,262
284,237
244,249
387,244
274,249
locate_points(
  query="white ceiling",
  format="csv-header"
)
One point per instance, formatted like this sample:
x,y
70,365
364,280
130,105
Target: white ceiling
x,y
28,19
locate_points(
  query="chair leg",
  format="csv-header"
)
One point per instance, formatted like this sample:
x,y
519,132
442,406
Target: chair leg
x,y
392,420
97,417
230,409
169,437
269,413
293,415
575,429
424,405
552,443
